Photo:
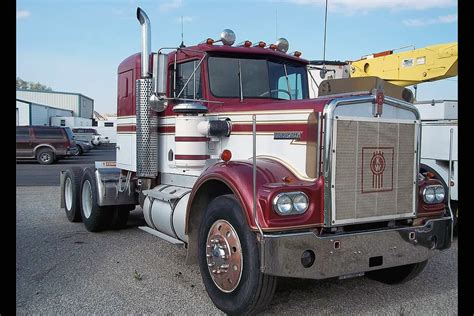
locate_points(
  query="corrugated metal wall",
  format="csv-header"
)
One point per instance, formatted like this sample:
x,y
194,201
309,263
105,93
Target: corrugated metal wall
x,y
40,115
87,107
80,105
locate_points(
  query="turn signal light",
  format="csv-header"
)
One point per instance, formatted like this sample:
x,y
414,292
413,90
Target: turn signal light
x,y
209,41
226,155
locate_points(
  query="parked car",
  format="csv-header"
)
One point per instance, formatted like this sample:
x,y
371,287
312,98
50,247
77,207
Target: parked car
x,y
82,146
46,144
87,135
103,139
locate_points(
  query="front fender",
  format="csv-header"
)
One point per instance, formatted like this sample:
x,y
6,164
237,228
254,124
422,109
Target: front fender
x,y
272,178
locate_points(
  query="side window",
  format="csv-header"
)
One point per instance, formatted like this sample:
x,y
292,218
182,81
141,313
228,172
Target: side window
x,y
48,133
63,123
294,80
22,133
108,124
184,72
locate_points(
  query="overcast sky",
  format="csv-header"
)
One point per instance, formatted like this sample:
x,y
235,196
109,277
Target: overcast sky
x,y
76,45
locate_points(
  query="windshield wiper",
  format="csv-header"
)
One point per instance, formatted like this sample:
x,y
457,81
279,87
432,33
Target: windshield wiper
x,y
287,81
241,90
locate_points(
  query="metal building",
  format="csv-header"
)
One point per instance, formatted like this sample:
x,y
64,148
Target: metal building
x,y
80,105
29,113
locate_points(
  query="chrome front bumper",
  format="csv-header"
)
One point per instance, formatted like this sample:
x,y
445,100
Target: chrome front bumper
x,y
353,253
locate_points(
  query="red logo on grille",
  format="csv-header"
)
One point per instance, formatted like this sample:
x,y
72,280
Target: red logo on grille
x,y
377,166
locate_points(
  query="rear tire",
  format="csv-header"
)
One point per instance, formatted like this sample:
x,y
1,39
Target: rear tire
x,y
397,275
93,215
242,289
71,193
45,156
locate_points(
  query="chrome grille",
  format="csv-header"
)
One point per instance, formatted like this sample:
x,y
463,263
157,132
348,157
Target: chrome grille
x,y
147,131
373,175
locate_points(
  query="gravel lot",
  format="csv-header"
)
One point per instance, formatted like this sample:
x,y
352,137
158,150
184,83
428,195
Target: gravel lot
x,y
62,269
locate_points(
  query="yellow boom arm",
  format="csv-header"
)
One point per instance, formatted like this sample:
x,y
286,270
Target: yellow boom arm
x,y
411,67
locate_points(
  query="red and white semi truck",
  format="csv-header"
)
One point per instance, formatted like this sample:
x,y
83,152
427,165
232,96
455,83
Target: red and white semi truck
x,y
226,154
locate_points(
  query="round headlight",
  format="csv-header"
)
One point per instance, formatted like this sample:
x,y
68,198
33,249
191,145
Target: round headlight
x,y
300,202
439,193
429,194
283,204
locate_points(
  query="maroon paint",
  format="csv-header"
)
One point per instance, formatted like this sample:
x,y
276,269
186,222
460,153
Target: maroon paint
x,y
428,209
270,174
190,139
126,128
191,157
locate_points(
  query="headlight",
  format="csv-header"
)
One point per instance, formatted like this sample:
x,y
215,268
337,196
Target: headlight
x,y
433,194
300,202
283,204
439,194
291,203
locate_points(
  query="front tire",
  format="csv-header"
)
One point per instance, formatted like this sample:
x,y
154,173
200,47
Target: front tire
x,y
45,156
79,151
229,260
93,215
71,193
397,275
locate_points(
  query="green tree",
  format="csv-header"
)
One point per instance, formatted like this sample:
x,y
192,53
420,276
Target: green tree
x,y
28,85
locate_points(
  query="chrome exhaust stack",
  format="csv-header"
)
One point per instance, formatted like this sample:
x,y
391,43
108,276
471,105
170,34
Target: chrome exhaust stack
x,y
147,120
146,42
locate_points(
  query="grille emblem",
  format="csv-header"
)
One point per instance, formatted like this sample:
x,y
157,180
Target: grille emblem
x,y
377,166
377,169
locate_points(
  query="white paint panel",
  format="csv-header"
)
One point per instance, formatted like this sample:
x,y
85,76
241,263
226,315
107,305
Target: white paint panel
x,y
126,152
71,121
435,141
438,110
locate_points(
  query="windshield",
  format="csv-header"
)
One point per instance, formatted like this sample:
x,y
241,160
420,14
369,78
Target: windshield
x,y
257,78
69,133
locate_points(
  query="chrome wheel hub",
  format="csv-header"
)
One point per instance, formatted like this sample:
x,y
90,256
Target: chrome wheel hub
x,y
87,199
224,256
45,157
68,194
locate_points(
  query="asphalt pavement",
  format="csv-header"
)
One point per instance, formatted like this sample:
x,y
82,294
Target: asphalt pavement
x,y
63,269
30,172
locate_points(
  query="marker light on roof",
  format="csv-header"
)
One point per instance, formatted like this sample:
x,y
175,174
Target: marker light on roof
x,y
248,43
297,54
272,46
209,41
262,44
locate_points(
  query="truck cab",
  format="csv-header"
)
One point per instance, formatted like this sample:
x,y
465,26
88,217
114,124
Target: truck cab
x,y
221,147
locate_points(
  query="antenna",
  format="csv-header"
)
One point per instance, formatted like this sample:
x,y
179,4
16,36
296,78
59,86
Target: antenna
x,y
276,24
182,34
323,70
